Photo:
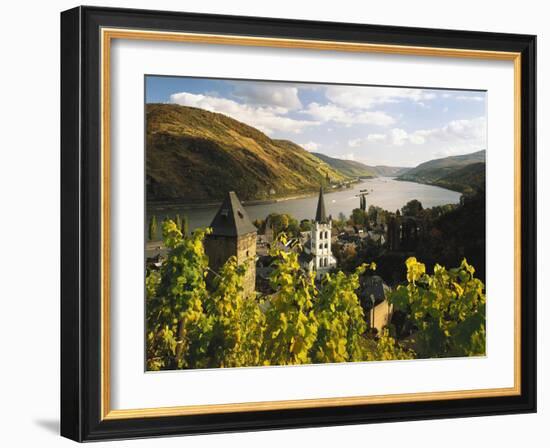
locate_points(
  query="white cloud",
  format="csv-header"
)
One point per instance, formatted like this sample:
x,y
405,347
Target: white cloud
x,y
477,98
455,134
268,95
455,137
368,97
334,113
376,137
355,142
310,146
267,119
371,138
398,137
348,156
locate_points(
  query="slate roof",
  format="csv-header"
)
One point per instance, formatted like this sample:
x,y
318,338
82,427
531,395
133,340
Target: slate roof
x,y
232,219
305,257
373,285
321,215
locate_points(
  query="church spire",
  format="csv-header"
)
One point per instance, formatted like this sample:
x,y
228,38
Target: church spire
x,y
321,215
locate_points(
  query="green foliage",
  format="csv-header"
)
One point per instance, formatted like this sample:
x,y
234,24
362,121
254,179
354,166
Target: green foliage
x,y
374,212
291,326
177,327
412,208
199,322
387,348
237,322
188,325
305,225
284,223
153,228
358,217
447,308
341,322
455,232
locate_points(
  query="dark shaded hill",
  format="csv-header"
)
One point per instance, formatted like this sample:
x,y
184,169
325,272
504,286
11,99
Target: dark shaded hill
x,y
464,173
466,179
193,156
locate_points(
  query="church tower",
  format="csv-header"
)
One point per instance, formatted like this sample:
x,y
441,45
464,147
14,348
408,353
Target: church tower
x,y
321,233
233,234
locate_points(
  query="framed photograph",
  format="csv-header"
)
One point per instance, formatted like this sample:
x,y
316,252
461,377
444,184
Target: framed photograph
x,y
276,224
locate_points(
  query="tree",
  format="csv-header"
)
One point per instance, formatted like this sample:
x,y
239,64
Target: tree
x,y
305,225
412,208
358,217
447,308
386,348
291,326
153,228
374,212
340,317
190,326
284,223
177,326
237,322
259,224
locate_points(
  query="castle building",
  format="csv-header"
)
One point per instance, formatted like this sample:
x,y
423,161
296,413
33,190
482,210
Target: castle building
x,y
317,254
233,234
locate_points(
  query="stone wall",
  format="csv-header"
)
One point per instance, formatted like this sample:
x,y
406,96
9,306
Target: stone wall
x,y
220,248
380,315
246,252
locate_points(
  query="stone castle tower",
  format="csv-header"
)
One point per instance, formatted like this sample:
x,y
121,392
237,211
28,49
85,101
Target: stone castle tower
x,y
321,232
233,234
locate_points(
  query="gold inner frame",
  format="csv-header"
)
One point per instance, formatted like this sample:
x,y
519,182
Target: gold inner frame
x,y
107,35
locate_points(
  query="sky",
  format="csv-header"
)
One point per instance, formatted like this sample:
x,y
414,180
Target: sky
x,y
396,126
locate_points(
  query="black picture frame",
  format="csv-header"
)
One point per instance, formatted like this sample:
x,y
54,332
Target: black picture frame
x,y
81,224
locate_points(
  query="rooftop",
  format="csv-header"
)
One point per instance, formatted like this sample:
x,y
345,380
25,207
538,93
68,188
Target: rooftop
x,y
321,215
231,218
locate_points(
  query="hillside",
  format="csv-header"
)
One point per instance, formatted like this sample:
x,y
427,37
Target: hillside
x,y
350,168
357,169
462,173
193,155
389,171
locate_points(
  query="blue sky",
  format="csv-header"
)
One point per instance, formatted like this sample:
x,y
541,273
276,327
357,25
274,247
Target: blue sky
x,y
376,125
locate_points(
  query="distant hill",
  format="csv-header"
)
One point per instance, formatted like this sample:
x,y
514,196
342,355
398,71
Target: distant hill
x,y
462,173
194,155
350,168
389,171
357,169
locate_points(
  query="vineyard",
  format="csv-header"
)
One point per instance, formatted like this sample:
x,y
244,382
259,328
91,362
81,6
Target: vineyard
x,y
197,318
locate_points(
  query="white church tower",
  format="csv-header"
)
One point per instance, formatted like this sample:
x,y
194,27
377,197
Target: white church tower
x,y
321,259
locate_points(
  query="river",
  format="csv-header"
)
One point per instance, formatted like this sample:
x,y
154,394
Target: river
x,y
383,192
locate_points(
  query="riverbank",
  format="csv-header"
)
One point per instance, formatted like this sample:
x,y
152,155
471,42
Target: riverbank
x,y
181,205
383,192
459,188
